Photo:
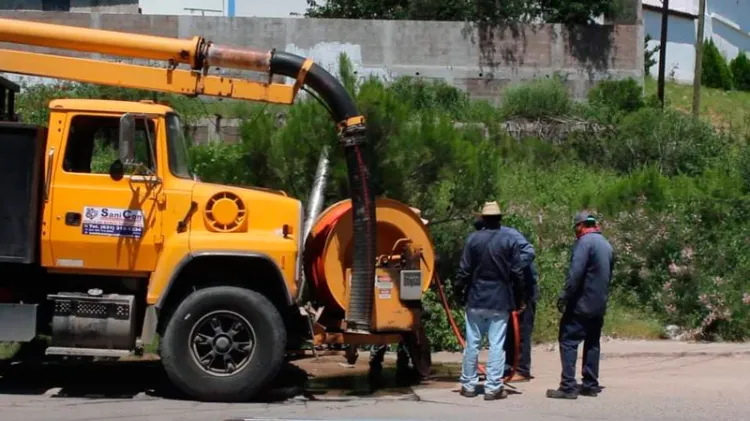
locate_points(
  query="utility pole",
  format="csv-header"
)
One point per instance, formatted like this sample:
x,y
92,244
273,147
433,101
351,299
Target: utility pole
x,y
699,60
663,50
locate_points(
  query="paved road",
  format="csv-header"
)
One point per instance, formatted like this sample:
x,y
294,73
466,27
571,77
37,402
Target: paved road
x,y
701,386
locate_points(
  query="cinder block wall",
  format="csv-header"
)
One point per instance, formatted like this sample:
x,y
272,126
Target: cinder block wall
x,y
481,62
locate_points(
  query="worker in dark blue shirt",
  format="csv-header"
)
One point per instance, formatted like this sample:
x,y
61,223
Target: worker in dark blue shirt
x,y
583,303
493,260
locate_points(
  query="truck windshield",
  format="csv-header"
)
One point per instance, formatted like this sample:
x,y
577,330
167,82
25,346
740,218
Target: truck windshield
x,y
179,163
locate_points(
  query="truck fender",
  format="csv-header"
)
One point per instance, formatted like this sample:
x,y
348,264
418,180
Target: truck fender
x,y
152,311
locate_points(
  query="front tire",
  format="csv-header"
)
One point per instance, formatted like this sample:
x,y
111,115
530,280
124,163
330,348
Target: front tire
x,y
223,344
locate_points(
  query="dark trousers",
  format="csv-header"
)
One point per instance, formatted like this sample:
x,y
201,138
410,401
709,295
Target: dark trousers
x,y
526,322
575,329
377,355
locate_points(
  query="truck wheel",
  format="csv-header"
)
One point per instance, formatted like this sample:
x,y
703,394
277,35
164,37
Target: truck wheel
x,y
223,344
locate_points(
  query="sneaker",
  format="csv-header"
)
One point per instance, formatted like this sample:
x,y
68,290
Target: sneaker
x,y
468,394
561,394
500,394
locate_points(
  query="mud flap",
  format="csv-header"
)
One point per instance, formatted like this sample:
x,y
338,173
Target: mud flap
x,y
17,322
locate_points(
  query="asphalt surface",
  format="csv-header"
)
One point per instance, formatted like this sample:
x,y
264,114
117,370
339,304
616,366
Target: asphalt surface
x,y
664,386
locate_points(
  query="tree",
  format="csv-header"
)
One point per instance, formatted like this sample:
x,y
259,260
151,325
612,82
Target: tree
x,y
479,11
715,72
648,55
740,67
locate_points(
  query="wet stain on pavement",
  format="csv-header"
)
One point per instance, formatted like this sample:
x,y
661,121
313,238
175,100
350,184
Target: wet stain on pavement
x,y
314,379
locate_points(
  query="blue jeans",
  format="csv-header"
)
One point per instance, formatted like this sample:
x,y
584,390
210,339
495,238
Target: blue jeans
x,y
481,322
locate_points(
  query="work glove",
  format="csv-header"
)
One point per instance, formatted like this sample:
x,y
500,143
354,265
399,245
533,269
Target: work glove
x,y
562,304
522,307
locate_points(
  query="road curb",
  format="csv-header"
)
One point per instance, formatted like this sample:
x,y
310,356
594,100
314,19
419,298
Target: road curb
x,y
674,354
456,358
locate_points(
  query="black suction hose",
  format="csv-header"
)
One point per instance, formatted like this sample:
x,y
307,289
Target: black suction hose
x,y
352,137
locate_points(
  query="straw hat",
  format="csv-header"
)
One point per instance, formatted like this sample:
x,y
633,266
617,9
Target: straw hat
x,y
490,209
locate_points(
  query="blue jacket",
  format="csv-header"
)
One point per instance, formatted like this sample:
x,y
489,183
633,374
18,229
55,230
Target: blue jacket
x,y
493,261
587,282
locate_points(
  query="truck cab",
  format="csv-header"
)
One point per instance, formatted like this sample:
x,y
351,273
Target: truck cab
x,y
122,199
108,237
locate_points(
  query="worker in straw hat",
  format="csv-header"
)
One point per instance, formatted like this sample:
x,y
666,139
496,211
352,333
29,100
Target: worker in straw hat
x,y
494,258
527,315
583,302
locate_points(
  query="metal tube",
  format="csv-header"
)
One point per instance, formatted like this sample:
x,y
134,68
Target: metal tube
x,y
315,200
238,58
185,51
314,205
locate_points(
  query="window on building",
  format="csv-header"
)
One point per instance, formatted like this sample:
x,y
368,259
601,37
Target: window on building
x,y
56,5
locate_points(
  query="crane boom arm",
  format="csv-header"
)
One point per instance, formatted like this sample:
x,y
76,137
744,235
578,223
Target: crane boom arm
x,y
201,55
176,81
198,53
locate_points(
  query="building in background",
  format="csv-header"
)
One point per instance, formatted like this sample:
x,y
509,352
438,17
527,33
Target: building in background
x,y
727,23
81,6
243,8
230,8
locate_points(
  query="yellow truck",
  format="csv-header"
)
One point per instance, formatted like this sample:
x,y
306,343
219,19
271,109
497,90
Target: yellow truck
x,y
107,241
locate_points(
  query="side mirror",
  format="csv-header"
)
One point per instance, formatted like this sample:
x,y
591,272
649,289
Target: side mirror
x,y
117,170
126,144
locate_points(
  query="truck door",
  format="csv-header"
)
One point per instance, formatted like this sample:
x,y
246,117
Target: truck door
x,y
99,221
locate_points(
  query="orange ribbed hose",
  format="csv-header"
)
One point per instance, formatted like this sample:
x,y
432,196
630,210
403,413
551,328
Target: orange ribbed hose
x,y
319,234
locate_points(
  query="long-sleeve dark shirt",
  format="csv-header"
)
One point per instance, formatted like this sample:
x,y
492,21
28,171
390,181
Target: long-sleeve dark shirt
x,y
532,282
587,283
492,261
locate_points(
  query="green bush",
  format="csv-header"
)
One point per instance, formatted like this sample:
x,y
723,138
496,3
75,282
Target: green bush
x,y
618,95
672,141
716,73
740,67
537,99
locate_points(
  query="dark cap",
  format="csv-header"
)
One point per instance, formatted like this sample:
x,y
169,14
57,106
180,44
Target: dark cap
x,y
584,217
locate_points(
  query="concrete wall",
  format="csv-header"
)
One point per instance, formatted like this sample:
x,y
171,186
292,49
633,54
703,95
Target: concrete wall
x,y
727,23
481,62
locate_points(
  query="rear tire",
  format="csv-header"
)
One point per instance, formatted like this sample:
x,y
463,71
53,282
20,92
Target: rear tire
x,y
223,344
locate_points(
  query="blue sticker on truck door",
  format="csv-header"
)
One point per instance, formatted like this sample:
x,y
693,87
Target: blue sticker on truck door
x,y
113,222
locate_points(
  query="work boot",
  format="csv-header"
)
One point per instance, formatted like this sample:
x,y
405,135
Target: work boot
x,y
561,394
500,394
589,391
468,394
520,378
